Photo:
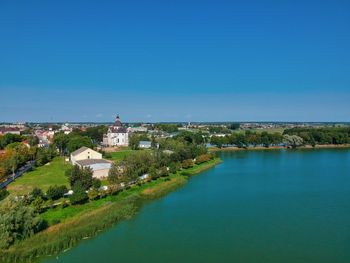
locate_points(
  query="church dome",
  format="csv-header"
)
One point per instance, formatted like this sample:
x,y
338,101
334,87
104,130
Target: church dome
x,y
117,122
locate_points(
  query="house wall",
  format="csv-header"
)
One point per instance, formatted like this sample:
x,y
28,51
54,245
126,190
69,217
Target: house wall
x,y
118,139
87,154
12,132
102,173
100,170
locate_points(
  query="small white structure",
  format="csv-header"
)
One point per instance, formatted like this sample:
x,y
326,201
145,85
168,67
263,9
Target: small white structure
x,y
70,192
104,188
218,135
84,153
117,135
144,176
137,129
168,152
145,144
66,129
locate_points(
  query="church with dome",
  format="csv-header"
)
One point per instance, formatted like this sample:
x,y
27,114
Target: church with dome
x,y
117,135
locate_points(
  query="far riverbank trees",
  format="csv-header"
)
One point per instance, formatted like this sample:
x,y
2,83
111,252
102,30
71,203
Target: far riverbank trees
x,y
322,136
291,137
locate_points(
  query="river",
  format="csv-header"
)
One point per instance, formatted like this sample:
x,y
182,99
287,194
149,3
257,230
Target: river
x,y
257,206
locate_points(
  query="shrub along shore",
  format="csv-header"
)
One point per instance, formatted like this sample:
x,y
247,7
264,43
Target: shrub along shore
x,y
88,220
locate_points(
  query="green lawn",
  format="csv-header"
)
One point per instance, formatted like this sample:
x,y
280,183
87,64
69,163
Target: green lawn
x,y
42,177
268,130
120,155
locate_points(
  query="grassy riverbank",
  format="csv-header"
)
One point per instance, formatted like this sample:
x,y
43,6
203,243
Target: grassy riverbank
x,y
87,220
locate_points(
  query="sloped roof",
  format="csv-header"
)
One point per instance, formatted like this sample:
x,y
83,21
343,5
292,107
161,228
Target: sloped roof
x,y
115,129
145,143
92,161
80,150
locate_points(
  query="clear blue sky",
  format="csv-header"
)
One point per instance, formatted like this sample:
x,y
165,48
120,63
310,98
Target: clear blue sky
x,y
175,60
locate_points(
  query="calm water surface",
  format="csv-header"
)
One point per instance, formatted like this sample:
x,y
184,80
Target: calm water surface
x,y
262,206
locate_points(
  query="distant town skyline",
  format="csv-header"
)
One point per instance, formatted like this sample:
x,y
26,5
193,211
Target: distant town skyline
x,y
181,61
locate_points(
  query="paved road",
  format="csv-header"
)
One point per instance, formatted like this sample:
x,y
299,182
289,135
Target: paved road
x,y
19,172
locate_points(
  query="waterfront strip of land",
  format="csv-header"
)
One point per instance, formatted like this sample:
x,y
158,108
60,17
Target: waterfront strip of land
x,y
87,220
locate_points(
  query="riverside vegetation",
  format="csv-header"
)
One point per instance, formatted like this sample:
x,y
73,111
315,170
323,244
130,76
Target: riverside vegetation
x,y
89,219
40,224
292,138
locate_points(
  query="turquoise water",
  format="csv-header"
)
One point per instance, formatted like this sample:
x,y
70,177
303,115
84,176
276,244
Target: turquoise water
x,y
261,206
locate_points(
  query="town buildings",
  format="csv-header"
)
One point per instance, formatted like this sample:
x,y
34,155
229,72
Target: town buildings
x,y
11,130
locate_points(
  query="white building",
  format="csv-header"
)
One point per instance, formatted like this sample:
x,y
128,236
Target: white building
x,y
66,129
86,157
137,129
117,135
145,144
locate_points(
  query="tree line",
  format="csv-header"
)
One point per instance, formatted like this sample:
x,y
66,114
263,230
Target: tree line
x,y
18,154
167,127
248,138
10,138
290,138
325,135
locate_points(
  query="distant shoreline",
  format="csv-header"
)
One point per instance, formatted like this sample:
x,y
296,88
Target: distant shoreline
x,y
259,148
